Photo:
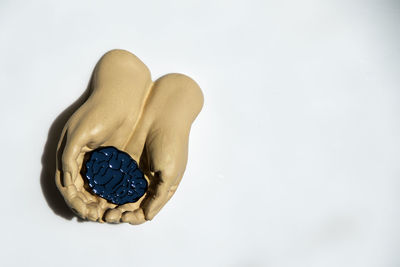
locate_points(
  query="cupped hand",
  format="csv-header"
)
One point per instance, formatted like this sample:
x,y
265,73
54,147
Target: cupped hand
x,y
149,121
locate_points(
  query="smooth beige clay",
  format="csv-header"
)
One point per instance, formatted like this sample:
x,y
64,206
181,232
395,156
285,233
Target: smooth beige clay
x,y
149,120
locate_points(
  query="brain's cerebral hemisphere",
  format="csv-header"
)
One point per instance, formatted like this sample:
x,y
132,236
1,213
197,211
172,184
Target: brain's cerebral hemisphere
x,y
115,176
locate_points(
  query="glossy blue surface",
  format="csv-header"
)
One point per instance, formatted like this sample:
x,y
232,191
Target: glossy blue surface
x,y
115,176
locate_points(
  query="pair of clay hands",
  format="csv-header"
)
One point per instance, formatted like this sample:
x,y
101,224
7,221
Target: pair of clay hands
x,y
149,120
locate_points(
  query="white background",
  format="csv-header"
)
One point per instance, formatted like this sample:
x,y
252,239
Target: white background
x,y
294,160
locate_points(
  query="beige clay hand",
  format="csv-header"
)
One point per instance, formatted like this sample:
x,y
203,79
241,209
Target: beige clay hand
x,y
149,121
160,141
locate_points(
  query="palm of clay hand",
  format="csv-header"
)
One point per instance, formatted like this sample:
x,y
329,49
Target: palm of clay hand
x,y
150,121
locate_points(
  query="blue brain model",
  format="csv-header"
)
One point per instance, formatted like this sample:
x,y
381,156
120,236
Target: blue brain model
x,y
115,176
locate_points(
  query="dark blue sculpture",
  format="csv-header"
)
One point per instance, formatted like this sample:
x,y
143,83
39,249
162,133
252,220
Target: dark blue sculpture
x,y
115,176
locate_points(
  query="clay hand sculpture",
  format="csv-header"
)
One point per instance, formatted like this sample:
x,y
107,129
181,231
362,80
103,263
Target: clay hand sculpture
x,y
122,154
